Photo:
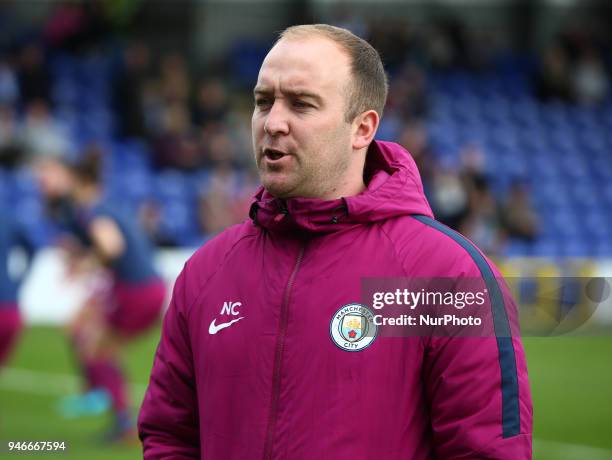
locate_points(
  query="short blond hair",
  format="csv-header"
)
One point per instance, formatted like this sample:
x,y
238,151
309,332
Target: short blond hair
x,y
369,87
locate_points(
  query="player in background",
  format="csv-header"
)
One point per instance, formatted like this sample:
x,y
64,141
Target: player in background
x,y
55,181
11,236
126,299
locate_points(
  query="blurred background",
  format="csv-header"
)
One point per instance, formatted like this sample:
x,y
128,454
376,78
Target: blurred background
x,y
506,107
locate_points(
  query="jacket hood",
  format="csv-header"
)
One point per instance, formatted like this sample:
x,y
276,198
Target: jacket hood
x,y
393,189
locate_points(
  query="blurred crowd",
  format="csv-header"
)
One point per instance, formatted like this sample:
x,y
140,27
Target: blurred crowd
x,y
194,121
186,120
573,69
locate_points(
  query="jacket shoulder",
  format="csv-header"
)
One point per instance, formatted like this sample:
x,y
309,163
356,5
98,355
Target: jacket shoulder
x,y
218,247
427,247
211,256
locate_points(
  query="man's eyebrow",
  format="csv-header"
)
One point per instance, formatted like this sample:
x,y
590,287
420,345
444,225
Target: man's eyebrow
x,y
304,93
261,90
293,93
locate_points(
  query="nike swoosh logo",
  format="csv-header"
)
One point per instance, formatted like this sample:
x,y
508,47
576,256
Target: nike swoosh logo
x,y
214,328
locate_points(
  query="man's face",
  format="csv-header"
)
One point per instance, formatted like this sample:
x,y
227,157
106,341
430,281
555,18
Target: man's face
x,y
301,140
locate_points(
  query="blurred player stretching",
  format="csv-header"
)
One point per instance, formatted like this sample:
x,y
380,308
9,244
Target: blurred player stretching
x,y
115,312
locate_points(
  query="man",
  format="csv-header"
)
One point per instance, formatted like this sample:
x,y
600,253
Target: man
x,y
251,364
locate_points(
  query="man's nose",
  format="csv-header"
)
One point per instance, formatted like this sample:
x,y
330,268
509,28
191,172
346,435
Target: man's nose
x,y
276,120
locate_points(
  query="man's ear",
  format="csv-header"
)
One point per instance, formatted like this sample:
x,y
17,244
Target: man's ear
x,y
364,129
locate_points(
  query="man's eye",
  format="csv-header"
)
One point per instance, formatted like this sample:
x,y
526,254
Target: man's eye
x,y
301,104
261,102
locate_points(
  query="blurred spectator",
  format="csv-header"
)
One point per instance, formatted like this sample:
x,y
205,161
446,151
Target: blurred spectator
x,y
42,136
129,89
460,197
473,166
168,117
218,146
518,217
64,25
413,138
554,81
226,200
9,87
211,102
152,107
449,196
10,24
76,26
482,224
344,16
574,36
394,41
408,93
239,128
447,46
175,84
34,78
590,79
150,217
11,153
176,146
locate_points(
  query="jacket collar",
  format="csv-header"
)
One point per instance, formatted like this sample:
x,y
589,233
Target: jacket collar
x,y
393,189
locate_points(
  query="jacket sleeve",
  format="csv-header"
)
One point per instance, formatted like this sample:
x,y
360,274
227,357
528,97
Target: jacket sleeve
x,y
478,391
168,422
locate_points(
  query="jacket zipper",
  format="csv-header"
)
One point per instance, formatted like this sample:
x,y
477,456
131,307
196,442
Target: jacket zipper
x,y
278,357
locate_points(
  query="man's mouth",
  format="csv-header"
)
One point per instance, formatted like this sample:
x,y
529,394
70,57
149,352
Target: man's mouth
x,y
273,154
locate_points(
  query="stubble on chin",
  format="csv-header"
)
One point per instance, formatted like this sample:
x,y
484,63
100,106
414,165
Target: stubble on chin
x,y
277,186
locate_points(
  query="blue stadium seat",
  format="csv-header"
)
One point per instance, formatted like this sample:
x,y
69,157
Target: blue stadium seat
x,y
171,185
178,221
62,65
131,154
517,248
135,186
65,92
246,57
546,248
390,127
5,188
603,249
24,184
31,212
199,182
577,247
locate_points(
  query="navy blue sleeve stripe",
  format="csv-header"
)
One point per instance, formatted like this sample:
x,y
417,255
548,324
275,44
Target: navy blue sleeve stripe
x,y
511,421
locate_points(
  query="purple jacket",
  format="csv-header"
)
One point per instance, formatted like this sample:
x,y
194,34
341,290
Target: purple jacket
x,y
246,367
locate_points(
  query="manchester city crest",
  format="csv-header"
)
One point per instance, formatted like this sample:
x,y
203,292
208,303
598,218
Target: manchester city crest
x,y
352,327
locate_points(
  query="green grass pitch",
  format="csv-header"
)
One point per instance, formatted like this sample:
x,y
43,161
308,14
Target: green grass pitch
x,y
571,383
